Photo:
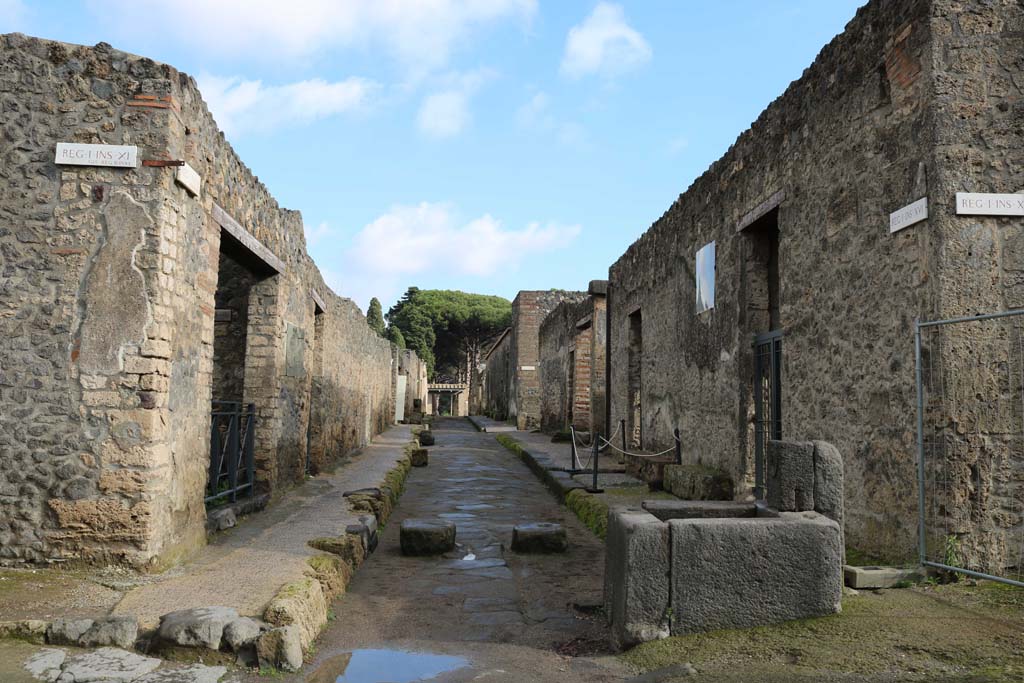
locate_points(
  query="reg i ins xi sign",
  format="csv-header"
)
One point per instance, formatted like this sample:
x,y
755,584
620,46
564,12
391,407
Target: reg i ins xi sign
x,y
984,204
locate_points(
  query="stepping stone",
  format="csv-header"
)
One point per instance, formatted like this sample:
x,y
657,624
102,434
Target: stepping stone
x,y
427,536
541,537
426,438
419,457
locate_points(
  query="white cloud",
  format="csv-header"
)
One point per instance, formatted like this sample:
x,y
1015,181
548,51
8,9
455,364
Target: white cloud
x,y
535,114
316,235
411,240
677,145
446,113
241,106
420,34
12,14
604,44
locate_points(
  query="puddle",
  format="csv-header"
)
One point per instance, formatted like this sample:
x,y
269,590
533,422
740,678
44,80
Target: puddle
x,y
385,666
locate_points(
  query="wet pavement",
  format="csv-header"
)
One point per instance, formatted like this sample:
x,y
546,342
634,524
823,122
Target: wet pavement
x,y
480,612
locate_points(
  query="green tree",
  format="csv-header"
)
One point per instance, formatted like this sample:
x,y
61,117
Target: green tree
x,y
375,316
447,327
395,336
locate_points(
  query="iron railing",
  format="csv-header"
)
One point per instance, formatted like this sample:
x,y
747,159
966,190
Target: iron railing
x,y
767,402
232,467
970,445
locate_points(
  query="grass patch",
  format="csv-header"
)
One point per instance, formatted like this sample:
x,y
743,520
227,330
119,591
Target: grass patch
x,y
942,633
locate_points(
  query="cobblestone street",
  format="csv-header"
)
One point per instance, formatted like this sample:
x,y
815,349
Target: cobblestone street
x,y
507,616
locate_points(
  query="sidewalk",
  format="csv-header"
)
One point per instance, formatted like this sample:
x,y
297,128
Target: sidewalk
x,y
242,568
245,567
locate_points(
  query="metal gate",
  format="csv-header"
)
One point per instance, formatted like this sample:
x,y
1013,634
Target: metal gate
x,y
232,434
767,402
970,445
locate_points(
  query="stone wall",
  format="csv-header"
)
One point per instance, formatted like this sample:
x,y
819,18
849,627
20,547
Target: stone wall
x,y
415,371
798,209
498,401
528,312
108,307
974,371
572,358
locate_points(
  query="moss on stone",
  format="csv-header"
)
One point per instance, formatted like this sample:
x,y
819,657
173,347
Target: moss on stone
x,y
592,511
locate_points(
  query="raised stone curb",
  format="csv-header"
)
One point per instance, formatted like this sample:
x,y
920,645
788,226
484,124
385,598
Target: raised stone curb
x,y
29,630
121,632
868,578
427,536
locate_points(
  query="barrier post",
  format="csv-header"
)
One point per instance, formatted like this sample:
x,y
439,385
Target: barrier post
x,y
574,466
596,455
679,447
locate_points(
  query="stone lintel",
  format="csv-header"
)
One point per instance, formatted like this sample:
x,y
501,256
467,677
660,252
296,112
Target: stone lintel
x,y
246,239
760,210
318,300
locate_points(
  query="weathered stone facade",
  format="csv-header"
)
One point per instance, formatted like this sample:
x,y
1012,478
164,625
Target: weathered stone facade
x,y
512,386
116,326
917,98
572,364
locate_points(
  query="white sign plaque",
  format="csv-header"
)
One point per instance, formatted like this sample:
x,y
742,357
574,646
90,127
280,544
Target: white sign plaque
x,y
528,367
908,215
75,154
982,204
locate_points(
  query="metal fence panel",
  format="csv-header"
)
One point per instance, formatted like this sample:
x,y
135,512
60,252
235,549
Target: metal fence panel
x,y
970,429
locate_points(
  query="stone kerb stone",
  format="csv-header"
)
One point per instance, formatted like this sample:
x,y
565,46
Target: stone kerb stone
x,y
427,536
738,573
790,476
420,457
636,577
685,569
540,537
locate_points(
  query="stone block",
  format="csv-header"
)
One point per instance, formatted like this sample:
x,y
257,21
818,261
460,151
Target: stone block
x,y
828,482
866,578
427,537
636,577
120,632
739,573
242,632
790,476
280,648
419,457
220,520
687,509
696,482
196,627
67,631
541,537
107,664
426,438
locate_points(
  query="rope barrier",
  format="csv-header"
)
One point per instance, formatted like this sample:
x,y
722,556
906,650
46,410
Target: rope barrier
x,y
637,455
606,444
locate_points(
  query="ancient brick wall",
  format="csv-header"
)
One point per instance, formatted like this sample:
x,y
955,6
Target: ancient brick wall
x,y
845,145
529,309
571,343
109,298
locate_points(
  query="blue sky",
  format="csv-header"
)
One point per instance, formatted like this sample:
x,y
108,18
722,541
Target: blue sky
x,y
482,145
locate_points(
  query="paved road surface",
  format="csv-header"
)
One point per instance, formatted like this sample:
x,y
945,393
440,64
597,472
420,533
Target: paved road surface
x,y
499,617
